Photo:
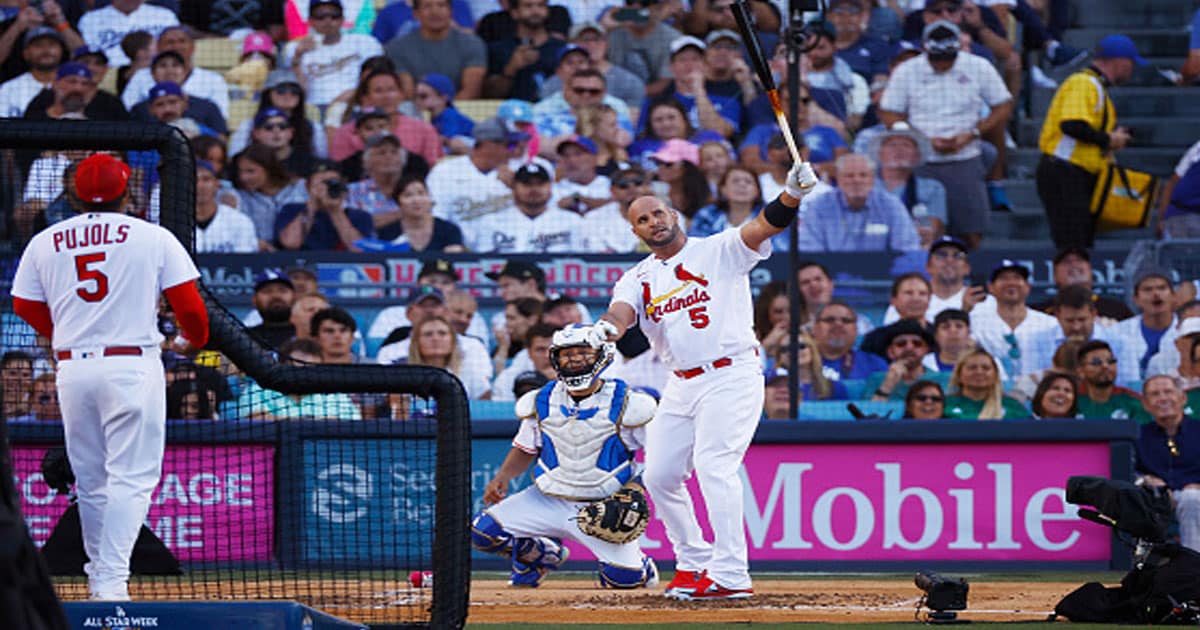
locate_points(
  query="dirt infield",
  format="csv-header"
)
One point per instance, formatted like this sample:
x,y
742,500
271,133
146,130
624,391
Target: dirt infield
x,y
578,601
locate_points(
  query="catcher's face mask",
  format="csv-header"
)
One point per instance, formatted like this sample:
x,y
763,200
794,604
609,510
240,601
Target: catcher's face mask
x,y
575,374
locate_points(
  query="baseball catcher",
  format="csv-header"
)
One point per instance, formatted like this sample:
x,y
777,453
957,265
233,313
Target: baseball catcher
x,y
579,432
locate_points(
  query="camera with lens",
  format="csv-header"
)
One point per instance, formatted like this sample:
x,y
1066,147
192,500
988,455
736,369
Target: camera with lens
x,y
335,188
942,595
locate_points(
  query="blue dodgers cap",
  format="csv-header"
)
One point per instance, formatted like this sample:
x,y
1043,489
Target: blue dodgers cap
x,y
774,374
72,69
1009,265
440,84
583,142
948,241
426,291
568,49
164,88
268,114
208,166
1119,47
272,275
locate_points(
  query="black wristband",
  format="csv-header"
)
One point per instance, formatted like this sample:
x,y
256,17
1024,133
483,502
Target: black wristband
x,y
880,392
779,215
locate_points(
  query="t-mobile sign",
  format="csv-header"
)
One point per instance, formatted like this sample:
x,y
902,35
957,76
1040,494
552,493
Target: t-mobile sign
x,y
952,502
213,503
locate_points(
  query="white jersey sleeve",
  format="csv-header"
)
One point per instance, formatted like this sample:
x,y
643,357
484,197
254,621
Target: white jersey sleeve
x,y
736,254
627,290
528,437
177,267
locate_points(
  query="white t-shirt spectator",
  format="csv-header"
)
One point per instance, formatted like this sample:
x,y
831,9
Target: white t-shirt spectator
x,y
394,317
330,70
45,178
464,194
16,93
475,371
107,26
511,231
608,232
599,188
201,82
943,104
228,232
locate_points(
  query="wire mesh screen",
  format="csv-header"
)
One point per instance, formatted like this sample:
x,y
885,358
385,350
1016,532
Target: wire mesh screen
x,y
290,472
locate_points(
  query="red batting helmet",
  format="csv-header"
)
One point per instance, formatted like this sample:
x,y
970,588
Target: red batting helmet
x,y
101,178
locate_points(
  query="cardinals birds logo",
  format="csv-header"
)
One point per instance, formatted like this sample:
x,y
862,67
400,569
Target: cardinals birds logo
x,y
683,275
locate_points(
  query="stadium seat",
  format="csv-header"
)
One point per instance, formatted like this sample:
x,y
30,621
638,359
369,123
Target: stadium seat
x,y
836,409
478,110
217,53
239,110
492,410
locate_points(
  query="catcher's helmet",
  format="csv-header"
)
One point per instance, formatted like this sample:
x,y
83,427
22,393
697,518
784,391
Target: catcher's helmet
x,y
576,335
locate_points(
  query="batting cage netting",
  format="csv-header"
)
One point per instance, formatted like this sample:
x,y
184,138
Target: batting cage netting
x,y
291,471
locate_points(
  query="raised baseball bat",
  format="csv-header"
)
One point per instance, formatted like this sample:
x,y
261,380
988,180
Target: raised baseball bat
x,y
758,59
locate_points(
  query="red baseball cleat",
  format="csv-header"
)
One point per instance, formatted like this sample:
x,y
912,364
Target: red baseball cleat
x,y
683,580
706,589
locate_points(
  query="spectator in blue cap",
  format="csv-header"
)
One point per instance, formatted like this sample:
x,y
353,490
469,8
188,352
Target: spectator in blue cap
x,y
195,81
169,65
580,188
71,89
435,94
168,104
273,297
1190,71
43,51
94,58
1079,135
273,128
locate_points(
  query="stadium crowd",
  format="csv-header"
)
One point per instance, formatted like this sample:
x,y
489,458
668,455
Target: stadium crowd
x,y
441,126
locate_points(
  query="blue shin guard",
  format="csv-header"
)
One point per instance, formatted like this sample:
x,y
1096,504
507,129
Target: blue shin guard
x,y
489,537
612,576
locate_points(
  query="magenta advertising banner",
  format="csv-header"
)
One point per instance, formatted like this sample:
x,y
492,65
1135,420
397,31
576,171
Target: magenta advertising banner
x,y
990,502
214,503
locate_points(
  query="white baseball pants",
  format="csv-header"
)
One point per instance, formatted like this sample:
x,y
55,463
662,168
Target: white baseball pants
x,y
706,424
530,513
114,418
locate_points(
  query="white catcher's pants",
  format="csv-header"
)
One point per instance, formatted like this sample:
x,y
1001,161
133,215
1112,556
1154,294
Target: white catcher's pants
x,y
706,424
530,513
114,418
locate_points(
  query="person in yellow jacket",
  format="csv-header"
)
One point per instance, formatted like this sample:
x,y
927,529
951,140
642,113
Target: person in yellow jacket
x,y
1078,136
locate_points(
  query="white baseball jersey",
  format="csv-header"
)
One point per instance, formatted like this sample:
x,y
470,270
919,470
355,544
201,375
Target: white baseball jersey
x,y
228,232
101,275
695,307
463,194
16,94
107,26
330,69
511,231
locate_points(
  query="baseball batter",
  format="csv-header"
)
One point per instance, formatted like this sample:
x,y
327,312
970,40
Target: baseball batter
x,y
582,431
91,285
692,298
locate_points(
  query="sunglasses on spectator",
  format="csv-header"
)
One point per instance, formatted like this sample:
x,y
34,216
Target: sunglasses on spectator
x,y
1099,362
828,319
586,91
275,126
928,398
326,16
288,88
629,183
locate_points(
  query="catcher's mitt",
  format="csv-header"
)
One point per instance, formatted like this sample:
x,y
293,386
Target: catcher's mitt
x,y
619,519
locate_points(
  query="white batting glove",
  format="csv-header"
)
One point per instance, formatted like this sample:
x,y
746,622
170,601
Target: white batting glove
x,y
800,180
602,332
